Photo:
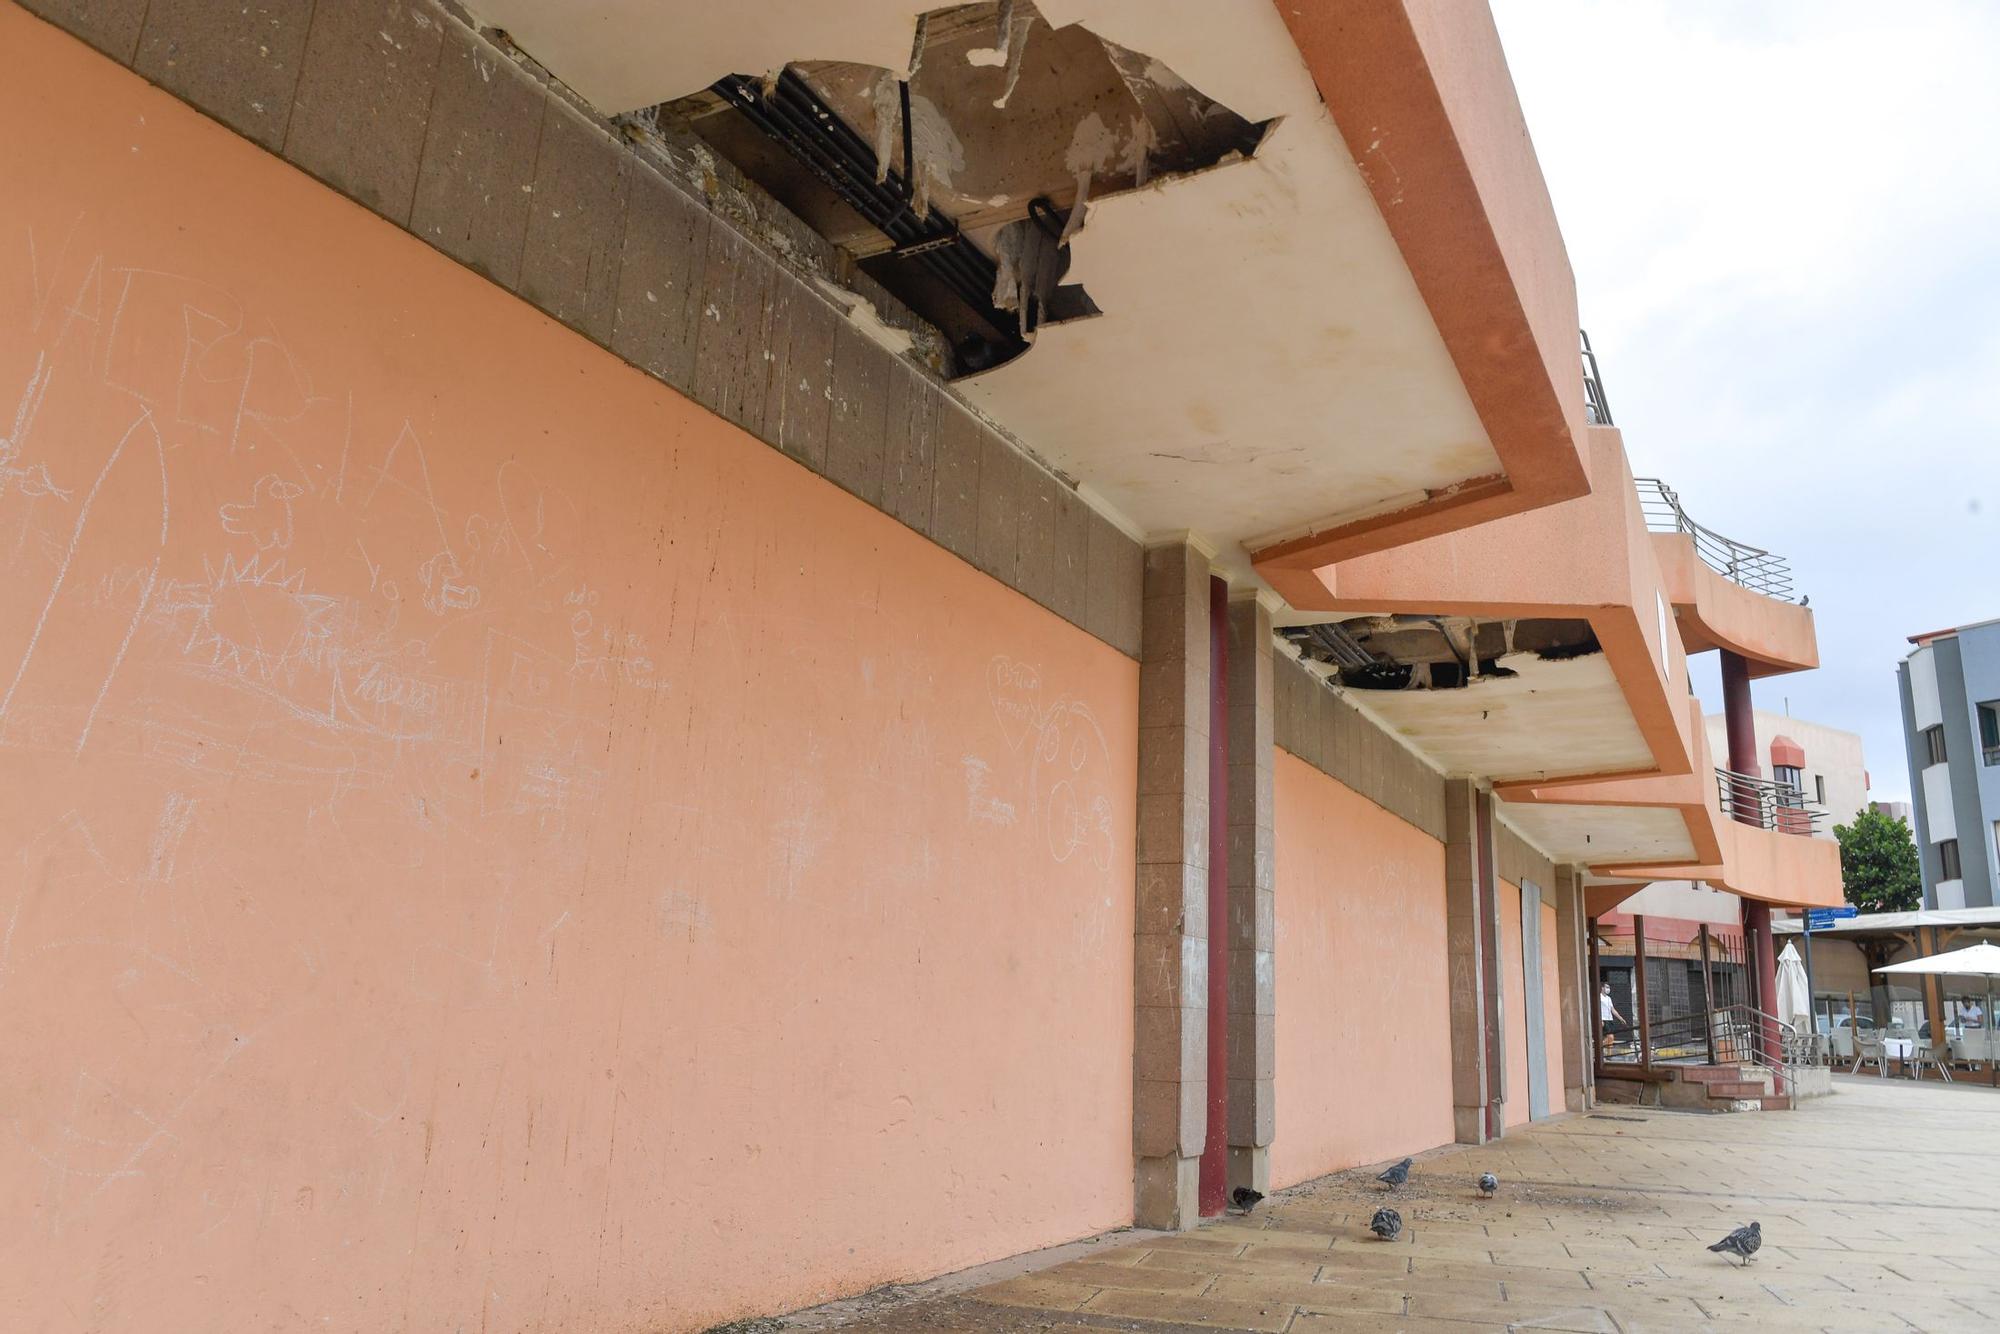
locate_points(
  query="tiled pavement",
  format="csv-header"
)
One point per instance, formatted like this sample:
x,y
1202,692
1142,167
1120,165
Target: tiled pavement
x,y
1880,1208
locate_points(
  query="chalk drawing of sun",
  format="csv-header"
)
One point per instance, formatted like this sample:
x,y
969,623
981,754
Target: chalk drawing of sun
x,y
255,619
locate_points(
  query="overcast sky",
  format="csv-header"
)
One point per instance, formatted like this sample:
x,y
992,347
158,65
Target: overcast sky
x,y
1785,224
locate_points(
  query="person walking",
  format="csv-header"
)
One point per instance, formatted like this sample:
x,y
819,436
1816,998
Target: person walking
x,y
1607,1014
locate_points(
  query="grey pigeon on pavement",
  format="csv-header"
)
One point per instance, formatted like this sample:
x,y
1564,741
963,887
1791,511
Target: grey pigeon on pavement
x,y
1743,1242
1245,1198
1398,1174
1488,1183
1386,1224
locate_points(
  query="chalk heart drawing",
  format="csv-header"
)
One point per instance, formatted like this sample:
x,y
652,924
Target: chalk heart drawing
x,y
266,518
1016,689
1069,762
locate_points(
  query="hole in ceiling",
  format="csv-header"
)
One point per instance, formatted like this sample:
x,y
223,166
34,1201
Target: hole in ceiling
x,y
1436,652
960,188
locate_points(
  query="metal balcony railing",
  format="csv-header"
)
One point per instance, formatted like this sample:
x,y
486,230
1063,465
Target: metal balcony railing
x,y
1779,807
1596,408
1754,568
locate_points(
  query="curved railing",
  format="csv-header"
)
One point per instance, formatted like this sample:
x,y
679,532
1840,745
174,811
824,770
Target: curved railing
x,y
1754,568
1596,408
1749,799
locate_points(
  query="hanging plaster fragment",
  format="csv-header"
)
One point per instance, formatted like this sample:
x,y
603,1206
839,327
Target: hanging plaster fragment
x,y
887,98
917,47
1139,152
1014,29
937,155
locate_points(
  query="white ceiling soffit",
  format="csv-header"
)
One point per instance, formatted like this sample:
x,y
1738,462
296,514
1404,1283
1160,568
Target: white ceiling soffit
x,y
1264,364
1604,834
1551,720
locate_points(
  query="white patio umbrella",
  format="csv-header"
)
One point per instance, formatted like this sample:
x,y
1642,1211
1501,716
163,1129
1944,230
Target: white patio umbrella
x,y
1981,960
1794,993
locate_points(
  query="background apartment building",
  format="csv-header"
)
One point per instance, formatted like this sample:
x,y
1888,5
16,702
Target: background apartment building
x,y
1950,689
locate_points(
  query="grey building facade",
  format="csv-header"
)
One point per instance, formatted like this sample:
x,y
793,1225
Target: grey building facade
x,y
1950,688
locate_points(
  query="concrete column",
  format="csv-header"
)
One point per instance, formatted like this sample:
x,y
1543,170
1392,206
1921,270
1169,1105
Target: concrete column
x,y
1497,1018
1577,992
1170,933
1469,904
1252,920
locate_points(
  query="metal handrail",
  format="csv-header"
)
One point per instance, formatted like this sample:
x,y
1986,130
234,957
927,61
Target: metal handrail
x,y
1734,1034
1753,800
1754,568
1596,407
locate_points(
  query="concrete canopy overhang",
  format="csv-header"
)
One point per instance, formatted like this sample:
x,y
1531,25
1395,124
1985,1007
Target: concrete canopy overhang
x,y
1362,333
1619,713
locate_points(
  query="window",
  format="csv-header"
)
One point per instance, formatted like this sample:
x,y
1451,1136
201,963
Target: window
x,y
1819,786
1989,732
1934,743
1789,776
1948,868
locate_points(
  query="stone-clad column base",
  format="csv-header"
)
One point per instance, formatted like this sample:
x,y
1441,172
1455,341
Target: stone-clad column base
x,y
1170,932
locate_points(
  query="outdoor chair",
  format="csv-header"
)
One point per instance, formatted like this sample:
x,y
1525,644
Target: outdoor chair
x,y
1937,1054
1870,1051
1843,1044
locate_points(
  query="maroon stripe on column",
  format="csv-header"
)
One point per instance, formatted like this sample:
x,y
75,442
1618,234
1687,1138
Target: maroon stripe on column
x,y
1214,1191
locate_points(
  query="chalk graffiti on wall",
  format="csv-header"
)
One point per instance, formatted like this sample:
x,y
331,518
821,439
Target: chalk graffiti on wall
x,y
1069,774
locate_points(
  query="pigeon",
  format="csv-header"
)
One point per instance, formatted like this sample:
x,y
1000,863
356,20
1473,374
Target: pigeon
x,y
1245,1198
1805,602
1397,1175
1743,1242
1386,1224
1488,1183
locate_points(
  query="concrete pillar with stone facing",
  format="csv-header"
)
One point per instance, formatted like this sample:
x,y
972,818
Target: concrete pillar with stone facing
x,y
1170,933
1470,928
1578,991
1252,920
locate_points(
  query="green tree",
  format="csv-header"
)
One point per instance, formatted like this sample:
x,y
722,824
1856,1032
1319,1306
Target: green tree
x,y
1878,863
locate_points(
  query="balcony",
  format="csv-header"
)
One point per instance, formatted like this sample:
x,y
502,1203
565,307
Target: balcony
x,y
1726,594
1753,568
1779,807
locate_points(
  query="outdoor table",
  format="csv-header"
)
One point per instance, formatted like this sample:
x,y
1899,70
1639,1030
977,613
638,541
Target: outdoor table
x,y
1902,1050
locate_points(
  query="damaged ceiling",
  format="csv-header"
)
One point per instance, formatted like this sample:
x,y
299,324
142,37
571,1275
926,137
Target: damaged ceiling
x,y
1225,338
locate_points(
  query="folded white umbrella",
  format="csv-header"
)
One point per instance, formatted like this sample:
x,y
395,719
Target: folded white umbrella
x,y
1794,995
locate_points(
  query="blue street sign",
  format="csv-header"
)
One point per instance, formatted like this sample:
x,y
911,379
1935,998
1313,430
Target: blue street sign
x,y
1822,919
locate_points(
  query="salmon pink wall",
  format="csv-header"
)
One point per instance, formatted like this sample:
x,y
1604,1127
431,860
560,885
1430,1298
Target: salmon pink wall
x,y
489,845
1552,1039
1363,1024
1513,1003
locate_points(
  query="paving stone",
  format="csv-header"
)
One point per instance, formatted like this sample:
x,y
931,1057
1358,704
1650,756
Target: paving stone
x,y
238,62
363,103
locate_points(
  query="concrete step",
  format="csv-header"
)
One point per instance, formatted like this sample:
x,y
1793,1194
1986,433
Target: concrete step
x,y
1775,1102
1738,1088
